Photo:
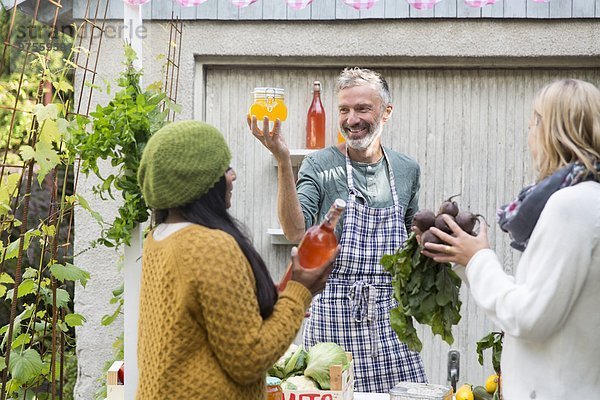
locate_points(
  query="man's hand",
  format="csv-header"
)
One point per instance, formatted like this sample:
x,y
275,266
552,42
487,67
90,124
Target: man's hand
x,y
271,139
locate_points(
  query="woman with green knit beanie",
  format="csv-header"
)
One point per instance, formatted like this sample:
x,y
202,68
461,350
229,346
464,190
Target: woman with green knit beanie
x,y
211,321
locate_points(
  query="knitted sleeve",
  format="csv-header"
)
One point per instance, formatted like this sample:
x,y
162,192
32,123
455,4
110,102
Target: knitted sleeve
x,y
245,344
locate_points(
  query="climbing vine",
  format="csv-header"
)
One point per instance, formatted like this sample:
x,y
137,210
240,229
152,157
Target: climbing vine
x,y
118,132
38,339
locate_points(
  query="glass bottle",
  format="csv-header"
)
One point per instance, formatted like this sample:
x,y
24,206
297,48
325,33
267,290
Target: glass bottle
x,y
268,102
340,137
319,242
315,120
274,391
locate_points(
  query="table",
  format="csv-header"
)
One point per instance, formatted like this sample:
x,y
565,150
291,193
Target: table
x,y
371,396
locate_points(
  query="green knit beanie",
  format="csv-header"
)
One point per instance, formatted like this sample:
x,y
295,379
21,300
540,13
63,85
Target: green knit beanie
x,y
181,162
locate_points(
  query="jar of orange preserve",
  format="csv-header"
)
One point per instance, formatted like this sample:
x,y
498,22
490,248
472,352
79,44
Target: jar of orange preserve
x,y
274,391
268,102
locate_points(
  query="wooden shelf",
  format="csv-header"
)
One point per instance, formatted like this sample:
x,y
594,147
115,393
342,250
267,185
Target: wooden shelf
x,y
277,236
297,155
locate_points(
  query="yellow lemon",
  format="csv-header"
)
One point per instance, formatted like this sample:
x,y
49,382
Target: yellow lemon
x,y
465,392
491,383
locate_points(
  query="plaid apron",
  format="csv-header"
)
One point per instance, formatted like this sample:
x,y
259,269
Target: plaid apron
x,y
353,310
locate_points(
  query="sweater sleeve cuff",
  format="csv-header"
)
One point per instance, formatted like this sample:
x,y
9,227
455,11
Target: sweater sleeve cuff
x,y
297,292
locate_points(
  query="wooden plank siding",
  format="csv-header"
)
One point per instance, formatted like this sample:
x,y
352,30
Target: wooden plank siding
x,y
467,128
336,9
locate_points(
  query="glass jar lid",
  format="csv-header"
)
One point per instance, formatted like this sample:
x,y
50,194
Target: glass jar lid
x,y
273,381
264,92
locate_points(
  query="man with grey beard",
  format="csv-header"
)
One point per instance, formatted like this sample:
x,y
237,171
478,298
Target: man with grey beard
x,y
381,189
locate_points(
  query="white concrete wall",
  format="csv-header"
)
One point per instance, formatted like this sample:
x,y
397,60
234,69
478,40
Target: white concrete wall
x,y
406,43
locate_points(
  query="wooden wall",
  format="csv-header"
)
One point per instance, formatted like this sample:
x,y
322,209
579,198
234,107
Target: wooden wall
x,y
467,129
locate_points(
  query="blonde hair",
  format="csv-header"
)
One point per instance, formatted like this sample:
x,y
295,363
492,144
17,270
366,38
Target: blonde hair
x,y
568,126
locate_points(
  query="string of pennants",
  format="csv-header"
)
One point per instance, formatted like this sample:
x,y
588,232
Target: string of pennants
x,y
356,4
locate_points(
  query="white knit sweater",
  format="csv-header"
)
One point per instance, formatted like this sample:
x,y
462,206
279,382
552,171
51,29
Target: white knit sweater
x,y
550,310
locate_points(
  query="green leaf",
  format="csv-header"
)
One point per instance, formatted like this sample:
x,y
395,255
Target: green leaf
x,y
6,278
69,272
445,288
119,291
63,86
44,155
83,203
62,298
109,318
44,112
74,320
405,330
26,287
30,273
21,340
26,365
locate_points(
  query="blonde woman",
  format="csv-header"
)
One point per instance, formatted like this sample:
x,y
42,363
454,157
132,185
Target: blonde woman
x,y
549,309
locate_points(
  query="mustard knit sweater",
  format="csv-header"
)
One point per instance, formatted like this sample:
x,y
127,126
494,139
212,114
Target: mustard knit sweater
x,y
201,335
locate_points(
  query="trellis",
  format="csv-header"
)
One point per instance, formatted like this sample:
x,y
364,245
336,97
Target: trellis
x,y
22,45
16,175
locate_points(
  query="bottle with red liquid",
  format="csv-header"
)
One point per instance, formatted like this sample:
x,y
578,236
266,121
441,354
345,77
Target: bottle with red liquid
x,y
315,120
319,242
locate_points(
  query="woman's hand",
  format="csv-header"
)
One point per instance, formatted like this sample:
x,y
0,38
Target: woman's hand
x,y
313,279
272,140
461,246
417,232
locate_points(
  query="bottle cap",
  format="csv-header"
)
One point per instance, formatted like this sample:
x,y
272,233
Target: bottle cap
x,y
317,86
339,203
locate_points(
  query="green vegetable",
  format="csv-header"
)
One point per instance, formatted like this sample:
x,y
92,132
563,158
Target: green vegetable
x,y
320,357
479,393
278,368
494,341
426,291
299,383
296,363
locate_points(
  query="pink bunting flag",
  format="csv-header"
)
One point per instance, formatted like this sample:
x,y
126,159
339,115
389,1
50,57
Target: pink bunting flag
x,y
479,3
136,2
242,3
190,3
361,4
298,4
423,4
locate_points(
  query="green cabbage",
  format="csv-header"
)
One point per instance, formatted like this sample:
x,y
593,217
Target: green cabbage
x,y
278,368
320,357
296,363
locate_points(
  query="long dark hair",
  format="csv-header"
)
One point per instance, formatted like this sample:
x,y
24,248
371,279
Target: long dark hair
x,y
210,210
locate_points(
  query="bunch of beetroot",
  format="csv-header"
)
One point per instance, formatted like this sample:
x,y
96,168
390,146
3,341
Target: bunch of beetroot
x,y
425,219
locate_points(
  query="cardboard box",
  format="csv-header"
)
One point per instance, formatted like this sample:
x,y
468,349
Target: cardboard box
x,y
342,386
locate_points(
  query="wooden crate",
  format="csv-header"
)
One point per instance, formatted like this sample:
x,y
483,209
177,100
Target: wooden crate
x,y
342,386
114,390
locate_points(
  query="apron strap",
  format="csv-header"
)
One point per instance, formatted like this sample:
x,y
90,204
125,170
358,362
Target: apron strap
x,y
392,178
363,298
